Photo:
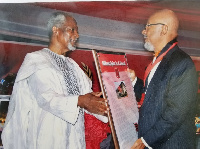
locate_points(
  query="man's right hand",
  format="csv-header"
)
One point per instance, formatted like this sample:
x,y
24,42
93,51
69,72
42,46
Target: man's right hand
x,y
93,103
131,74
138,144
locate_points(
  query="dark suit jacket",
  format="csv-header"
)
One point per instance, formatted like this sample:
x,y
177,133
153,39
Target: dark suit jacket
x,y
166,118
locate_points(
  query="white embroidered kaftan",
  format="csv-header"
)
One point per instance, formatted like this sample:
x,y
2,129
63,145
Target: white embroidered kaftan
x,y
41,113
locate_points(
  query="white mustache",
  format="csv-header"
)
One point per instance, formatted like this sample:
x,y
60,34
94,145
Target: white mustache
x,y
74,40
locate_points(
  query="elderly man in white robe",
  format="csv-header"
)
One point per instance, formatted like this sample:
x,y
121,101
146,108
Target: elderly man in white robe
x,y
50,95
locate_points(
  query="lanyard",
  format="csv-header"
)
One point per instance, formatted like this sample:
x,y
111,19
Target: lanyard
x,y
151,65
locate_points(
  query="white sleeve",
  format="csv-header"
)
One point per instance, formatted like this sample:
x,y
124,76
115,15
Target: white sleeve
x,y
145,143
99,117
44,84
134,82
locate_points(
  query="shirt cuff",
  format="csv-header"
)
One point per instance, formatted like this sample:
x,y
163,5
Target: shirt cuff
x,y
72,103
145,143
134,81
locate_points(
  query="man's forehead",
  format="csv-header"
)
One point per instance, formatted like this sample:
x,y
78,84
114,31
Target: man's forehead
x,y
70,20
155,18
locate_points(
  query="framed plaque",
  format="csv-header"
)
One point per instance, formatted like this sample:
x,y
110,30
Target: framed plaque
x,y
117,88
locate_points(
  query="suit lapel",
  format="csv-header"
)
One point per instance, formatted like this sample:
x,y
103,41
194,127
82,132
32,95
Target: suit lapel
x,y
158,79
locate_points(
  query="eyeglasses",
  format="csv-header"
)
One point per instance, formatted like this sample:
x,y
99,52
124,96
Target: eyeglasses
x,y
153,24
66,29
69,29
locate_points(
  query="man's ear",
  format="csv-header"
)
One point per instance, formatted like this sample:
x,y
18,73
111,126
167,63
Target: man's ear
x,y
55,30
164,30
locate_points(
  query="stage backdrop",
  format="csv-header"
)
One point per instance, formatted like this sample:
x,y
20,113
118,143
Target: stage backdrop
x,y
12,55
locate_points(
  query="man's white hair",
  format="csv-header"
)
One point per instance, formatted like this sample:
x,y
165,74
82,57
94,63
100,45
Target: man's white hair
x,y
57,20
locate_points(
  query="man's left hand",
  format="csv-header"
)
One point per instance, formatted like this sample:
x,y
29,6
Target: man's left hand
x,y
93,103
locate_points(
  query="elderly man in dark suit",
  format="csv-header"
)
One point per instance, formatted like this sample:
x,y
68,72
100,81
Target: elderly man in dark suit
x,y
167,114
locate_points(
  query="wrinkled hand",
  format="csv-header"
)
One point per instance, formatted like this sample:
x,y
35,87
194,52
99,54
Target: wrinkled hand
x,y
93,103
138,144
131,74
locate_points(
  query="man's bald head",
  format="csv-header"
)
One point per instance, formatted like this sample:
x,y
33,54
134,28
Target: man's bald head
x,y
161,28
169,18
